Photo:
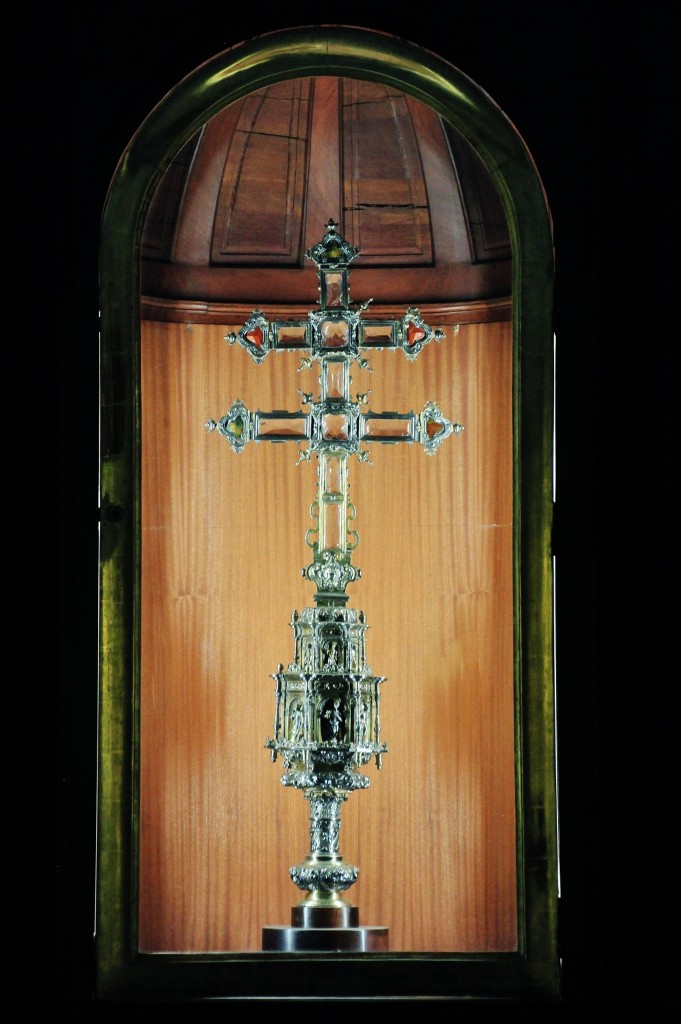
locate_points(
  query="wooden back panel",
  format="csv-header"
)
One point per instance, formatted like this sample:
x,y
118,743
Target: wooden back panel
x,y
222,548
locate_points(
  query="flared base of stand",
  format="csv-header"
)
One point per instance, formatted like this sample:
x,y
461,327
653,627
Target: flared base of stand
x,y
324,929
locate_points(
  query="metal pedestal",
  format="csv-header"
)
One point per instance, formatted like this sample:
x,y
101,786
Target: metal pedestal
x,y
324,930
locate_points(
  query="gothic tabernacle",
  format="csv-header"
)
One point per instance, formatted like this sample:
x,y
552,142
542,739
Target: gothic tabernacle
x,y
327,718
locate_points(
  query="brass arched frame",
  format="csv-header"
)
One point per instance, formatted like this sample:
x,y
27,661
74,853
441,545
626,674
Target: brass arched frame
x,y
532,972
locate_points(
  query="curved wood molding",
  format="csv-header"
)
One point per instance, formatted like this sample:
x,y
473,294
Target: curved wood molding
x,y
176,311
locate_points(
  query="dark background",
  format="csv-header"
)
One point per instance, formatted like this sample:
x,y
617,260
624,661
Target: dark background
x,y
591,89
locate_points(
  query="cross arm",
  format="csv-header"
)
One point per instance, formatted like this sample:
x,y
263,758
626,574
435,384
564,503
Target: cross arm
x,y
335,426
337,331
428,428
240,425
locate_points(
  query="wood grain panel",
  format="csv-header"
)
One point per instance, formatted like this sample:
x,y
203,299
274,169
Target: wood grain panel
x,y
386,207
163,215
482,205
259,210
272,168
222,549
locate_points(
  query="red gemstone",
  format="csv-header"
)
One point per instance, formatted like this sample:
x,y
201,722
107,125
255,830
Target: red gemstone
x,y
414,333
255,336
433,428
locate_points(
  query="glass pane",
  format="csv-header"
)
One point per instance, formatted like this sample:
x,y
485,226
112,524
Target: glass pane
x,y
380,335
333,475
392,428
333,526
335,427
281,426
334,290
291,336
334,381
335,333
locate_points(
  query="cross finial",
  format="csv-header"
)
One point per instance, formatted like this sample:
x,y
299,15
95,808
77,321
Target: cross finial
x,y
332,254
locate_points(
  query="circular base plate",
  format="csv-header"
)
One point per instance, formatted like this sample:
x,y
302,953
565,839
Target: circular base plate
x,y
282,939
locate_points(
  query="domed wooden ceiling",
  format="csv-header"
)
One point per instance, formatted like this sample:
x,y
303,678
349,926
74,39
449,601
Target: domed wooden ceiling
x,y
234,214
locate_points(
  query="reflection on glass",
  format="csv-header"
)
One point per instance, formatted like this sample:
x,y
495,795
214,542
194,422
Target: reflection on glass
x,y
335,427
415,332
334,289
255,336
335,333
333,533
281,426
433,428
291,336
334,379
390,427
333,476
380,335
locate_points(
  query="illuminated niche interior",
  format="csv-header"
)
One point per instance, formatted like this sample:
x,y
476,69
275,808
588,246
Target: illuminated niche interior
x,y
222,547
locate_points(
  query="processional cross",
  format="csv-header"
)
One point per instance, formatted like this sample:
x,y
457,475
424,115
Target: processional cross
x,y
327,718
